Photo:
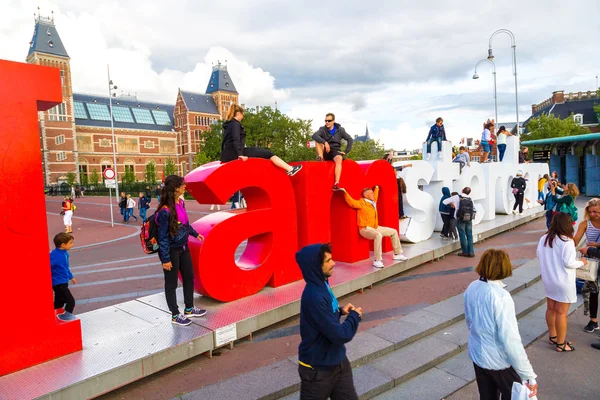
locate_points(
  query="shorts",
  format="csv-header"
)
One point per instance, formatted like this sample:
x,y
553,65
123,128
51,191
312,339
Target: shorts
x,y
332,154
67,218
257,152
486,147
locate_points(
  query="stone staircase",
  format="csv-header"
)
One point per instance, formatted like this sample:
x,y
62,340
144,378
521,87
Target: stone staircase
x,y
419,356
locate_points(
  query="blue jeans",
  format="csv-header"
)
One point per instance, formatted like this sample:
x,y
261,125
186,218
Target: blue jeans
x,y
540,195
465,233
439,143
143,213
549,215
128,214
501,149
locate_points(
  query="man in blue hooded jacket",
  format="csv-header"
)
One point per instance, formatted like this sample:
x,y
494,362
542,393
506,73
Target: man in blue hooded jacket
x,y
324,369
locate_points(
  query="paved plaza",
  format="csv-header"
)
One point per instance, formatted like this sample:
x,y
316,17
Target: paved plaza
x,y
111,268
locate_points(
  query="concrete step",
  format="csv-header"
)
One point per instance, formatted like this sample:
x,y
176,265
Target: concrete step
x,y
386,356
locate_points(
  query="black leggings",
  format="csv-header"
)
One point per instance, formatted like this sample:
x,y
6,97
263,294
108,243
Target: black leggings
x,y
181,261
594,305
519,197
62,296
257,152
446,226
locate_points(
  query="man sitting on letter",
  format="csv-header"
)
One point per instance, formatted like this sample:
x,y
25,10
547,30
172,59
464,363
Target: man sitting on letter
x,y
368,226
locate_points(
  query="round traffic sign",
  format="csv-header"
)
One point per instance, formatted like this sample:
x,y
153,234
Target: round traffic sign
x,y
109,173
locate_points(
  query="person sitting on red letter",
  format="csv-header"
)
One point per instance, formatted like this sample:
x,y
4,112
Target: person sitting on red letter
x,y
368,226
329,145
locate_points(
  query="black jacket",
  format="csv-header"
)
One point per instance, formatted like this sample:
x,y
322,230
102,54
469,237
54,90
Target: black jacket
x,y
335,141
519,184
234,140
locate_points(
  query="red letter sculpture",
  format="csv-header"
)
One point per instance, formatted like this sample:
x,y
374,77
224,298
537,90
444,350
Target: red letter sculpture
x,y
269,225
25,90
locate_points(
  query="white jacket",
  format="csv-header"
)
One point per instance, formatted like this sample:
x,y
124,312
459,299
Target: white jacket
x,y
131,203
494,339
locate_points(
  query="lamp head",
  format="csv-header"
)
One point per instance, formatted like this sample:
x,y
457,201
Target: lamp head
x,y
475,76
490,55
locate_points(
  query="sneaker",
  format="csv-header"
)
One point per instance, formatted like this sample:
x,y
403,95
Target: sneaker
x,y
462,255
180,320
404,217
336,187
471,255
378,264
428,156
194,312
295,170
66,316
591,327
440,155
400,257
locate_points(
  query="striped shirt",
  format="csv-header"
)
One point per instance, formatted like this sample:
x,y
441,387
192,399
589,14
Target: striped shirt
x,y
592,234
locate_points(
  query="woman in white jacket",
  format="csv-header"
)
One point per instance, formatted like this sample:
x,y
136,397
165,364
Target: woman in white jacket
x,y
557,254
495,345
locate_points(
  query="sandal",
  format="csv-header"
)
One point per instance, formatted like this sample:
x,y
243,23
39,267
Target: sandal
x,y
561,347
553,341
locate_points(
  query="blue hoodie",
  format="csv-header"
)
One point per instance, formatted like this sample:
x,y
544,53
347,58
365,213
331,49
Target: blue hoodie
x,y
323,336
445,208
59,265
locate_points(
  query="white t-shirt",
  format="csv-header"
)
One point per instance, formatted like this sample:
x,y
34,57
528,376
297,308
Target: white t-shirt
x,y
502,138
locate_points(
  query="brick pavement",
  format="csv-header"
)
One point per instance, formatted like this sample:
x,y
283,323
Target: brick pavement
x,y
386,301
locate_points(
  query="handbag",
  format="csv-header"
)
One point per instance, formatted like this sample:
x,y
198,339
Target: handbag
x,y
515,191
588,272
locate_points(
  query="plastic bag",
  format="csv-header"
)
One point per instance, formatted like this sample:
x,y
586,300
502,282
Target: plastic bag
x,y
521,392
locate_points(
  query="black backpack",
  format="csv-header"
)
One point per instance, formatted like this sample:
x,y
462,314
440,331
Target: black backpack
x,y
466,210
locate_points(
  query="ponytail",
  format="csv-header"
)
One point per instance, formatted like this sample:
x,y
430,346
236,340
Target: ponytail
x,y
234,109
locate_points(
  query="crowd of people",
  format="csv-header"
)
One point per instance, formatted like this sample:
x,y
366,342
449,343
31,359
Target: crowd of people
x,y
495,346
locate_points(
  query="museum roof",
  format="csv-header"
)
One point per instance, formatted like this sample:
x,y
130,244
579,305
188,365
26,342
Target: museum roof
x,y
197,102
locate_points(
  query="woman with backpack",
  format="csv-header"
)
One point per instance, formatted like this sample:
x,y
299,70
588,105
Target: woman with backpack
x,y
174,230
518,186
566,203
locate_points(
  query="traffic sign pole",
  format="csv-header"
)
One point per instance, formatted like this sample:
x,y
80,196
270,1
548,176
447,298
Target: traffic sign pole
x,y
110,180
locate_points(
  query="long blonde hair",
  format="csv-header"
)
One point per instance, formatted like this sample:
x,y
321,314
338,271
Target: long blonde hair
x,y
591,203
572,190
234,109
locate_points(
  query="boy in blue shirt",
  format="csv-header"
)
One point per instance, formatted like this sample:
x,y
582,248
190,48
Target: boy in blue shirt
x,y
61,274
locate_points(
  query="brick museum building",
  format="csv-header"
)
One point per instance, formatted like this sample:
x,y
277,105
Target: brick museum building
x,y
76,135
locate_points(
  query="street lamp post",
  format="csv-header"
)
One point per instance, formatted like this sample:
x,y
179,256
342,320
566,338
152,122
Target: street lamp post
x,y
112,87
514,60
475,76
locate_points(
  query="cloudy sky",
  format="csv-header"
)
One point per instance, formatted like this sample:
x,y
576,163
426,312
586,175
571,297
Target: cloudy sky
x,y
394,65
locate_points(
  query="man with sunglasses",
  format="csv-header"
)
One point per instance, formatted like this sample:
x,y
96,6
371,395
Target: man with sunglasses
x,y
329,145
368,225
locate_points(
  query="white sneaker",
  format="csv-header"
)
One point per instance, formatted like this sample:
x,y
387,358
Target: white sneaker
x,y
428,156
400,257
378,264
440,155
514,211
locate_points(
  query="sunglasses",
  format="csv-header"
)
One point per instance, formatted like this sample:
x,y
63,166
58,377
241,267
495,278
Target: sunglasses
x,y
328,120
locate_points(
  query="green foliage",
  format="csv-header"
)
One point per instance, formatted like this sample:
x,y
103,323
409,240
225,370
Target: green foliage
x,y
83,178
417,157
368,150
170,167
201,159
129,176
150,172
267,128
94,177
71,178
597,110
548,126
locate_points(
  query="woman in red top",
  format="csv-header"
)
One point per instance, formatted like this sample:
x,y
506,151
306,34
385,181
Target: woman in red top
x,y
67,207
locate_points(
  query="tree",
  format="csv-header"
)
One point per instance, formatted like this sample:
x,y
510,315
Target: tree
x,y
267,128
417,157
150,172
367,150
548,126
597,110
201,159
94,177
170,167
71,178
129,176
